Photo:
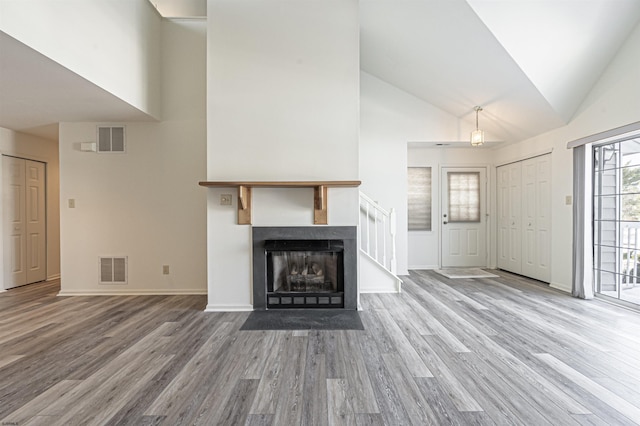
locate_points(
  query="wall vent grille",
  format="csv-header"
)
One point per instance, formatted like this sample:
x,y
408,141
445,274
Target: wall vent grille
x,y
111,139
113,270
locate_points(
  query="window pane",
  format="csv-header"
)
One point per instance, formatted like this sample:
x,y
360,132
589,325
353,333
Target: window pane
x,y
630,207
464,196
419,198
630,151
607,157
631,179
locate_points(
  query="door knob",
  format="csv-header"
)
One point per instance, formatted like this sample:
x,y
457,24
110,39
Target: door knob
x,y
445,222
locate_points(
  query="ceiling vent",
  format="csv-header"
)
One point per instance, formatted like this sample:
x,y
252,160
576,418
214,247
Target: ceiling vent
x,y
111,139
113,270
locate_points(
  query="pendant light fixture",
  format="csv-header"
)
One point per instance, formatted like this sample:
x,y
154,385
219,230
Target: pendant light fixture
x,y
477,136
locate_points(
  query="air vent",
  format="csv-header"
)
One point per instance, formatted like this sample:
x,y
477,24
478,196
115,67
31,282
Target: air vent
x,y
111,139
113,270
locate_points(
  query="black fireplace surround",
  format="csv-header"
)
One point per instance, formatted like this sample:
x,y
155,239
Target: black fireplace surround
x,y
305,267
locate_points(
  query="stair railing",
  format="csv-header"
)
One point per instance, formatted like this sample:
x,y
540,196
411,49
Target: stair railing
x,y
378,225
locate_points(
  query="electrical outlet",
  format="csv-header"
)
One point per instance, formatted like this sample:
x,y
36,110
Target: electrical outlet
x,y
225,199
165,269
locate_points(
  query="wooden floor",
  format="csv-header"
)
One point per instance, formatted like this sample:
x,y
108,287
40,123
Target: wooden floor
x,y
466,351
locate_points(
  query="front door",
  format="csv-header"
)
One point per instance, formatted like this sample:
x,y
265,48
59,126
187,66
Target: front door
x,y
463,217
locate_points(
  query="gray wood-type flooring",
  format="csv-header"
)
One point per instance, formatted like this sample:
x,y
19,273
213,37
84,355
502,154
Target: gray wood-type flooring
x,y
504,351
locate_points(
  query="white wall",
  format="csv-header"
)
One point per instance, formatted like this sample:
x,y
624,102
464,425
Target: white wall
x,y
282,105
31,147
612,103
145,204
117,48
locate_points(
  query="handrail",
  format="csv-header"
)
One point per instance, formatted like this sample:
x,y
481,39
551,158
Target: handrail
x,y
379,225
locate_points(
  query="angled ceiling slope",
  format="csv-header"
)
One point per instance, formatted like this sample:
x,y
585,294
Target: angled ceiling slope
x,y
36,93
563,46
529,63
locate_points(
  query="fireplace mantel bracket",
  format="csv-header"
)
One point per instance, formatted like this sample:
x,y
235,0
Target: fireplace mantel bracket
x,y
320,192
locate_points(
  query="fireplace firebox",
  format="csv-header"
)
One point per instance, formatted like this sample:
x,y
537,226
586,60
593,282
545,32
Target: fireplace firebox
x,y
305,273
304,268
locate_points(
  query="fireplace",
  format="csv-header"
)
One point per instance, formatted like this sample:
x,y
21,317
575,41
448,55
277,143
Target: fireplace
x,y
305,273
304,268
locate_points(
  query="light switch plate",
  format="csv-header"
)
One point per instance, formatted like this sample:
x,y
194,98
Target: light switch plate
x,y
225,199
568,200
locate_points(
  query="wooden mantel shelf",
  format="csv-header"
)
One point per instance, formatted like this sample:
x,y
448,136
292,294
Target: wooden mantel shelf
x,y
319,194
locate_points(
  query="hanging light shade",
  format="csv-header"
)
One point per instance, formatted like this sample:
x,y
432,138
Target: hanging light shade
x,y
477,136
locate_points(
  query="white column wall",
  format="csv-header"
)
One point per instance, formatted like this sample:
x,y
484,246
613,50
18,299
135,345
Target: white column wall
x,y
282,105
115,44
145,204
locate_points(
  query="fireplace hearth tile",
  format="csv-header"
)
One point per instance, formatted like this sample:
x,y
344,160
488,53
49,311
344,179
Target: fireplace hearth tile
x,y
307,319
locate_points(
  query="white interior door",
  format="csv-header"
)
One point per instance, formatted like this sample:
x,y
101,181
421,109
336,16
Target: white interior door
x,y
24,221
35,221
543,219
536,217
524,217
463,217
509,217
14,229
529,216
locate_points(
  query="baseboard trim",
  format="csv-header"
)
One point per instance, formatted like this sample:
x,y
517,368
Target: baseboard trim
x,y
53,277
229,308
374,291
423,267
134,293
561,287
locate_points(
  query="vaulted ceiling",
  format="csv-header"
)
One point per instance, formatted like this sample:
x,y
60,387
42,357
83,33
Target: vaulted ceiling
x,y
528,63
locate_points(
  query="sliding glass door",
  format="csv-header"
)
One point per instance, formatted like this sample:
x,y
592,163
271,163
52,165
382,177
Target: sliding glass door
x,y
616,220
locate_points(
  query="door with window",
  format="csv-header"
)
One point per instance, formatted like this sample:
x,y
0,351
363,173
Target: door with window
x,y
463,217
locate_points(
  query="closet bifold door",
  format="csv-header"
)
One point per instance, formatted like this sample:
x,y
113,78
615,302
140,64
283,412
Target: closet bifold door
x,y
24,221
524,217
509,218
536,218
35,203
